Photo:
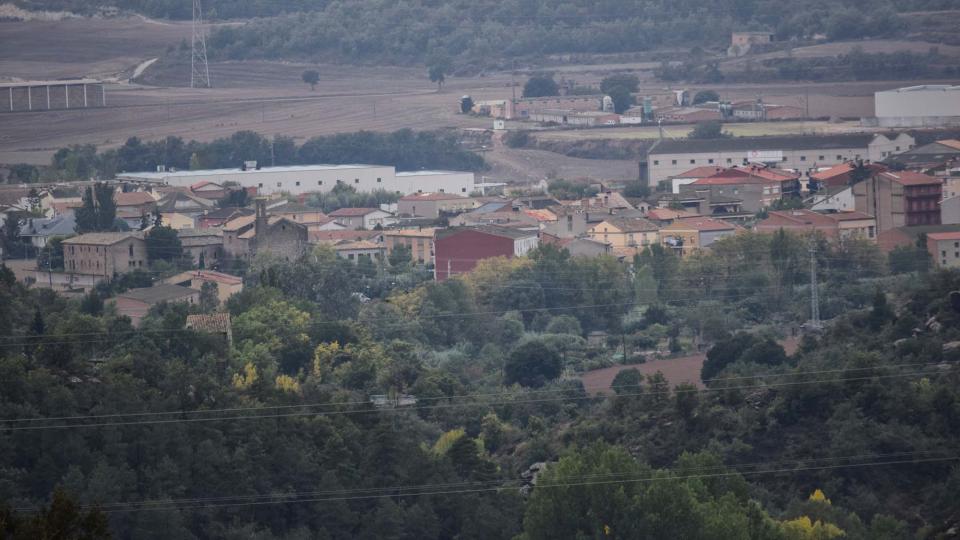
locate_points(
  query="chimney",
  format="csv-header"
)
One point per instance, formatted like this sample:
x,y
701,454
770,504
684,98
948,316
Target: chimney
x,y
260,223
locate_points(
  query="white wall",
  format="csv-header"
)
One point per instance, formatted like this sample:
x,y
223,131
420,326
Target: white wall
x,y
921,107
460,183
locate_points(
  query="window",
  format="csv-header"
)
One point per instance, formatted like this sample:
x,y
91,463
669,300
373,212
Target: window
x,y
319,182
673,162
356,180
131,249
729,160
956,244
279,184
656,162
379,179
821,158
693,162
839,157
710,161
943,253
803,158
464,190
260,184
898,149
298,183
784,158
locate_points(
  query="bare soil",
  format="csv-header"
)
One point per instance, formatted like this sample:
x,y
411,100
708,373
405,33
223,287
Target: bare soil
x,y
685,369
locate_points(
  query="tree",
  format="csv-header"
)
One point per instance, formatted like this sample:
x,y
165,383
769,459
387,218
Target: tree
x,y
540,86
628,82
98,212
209,298
622,98
704,96
163,244
437,75
400,256
712,129
532,363
311,77
438,66
64,519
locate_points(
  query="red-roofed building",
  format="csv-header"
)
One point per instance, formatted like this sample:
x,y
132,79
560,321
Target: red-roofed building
x,y
758,187
839,175
362,218
944,248
899,199
691,176
431,205
836,226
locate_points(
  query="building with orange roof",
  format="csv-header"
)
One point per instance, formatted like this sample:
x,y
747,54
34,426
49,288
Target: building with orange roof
x,y
900,199
835,226
841,174
432,205
756,186
944,248
227,284
625,234
690,235
419,241
247,236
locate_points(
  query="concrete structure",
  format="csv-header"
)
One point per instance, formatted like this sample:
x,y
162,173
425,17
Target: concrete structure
x,y
928,105
135,303
840,175
362,218
522,108
227,285
104,254
837,226
431,205
899,199
458,250
184,203
950,210
419,241
691,176
357,250
944,248
571,117
690,235
577,247
300,179
837,199
671,158
312,218
936,156
49,95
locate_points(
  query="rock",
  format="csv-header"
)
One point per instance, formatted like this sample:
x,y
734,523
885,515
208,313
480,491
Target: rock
x,y
951,346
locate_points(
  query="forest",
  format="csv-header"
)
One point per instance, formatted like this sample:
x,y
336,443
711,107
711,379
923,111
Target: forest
x,y
418,409
477,34
404,149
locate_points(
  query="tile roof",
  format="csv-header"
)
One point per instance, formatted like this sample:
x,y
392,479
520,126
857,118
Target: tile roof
x,y
541,215
227,212
158,293
421,233
699,172
339,235
214,323
955,235
195,233
134,198
951,143
663,214
103,238
357,245
236,224
632,224
62,225
169,202
910,178
493,230
353,212
702,224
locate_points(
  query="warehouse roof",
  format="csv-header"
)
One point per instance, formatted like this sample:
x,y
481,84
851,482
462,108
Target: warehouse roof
x,y
733,144
213,172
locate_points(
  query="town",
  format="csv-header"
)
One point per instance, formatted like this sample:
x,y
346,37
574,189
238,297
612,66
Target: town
x,y
657,288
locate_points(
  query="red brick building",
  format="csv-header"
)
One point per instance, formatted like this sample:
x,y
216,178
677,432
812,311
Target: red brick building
x,y
458,250
900,199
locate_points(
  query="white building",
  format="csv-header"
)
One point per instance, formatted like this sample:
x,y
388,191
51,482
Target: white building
x,y
928,105
671,158
299,179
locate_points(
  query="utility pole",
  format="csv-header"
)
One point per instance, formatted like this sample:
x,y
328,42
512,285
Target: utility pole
x,y
814,294
273,157
199,68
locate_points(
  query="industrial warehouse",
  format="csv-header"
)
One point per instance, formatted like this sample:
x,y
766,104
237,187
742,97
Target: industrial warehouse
x,y
296,180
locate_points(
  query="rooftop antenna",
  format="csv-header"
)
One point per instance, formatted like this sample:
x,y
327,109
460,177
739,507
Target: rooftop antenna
x,y
199,69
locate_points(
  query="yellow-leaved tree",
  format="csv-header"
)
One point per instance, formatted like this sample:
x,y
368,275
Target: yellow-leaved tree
x,y
818,496
249,377
445,441
286,383
803,528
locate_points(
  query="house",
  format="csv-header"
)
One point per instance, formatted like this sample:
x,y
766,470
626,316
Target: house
x,y
57,201
133,206
215,323
105,254
835,226
701,202
177,221
459,249
227,285
691,176
837,199
218,217
742,42
756,186
578,247
182,202
626,236
420,242
333,237
205,243
211,191
362,218
312,218
689,235
353,251
899,199
927,158
38,231
432,205
248,236
944,249
135,303
573,117
950,210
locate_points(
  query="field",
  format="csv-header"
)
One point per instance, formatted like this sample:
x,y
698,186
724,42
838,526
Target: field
x,y
270,98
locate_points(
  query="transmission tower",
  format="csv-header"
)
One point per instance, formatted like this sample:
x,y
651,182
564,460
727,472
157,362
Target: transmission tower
x,y
199,69
814,293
